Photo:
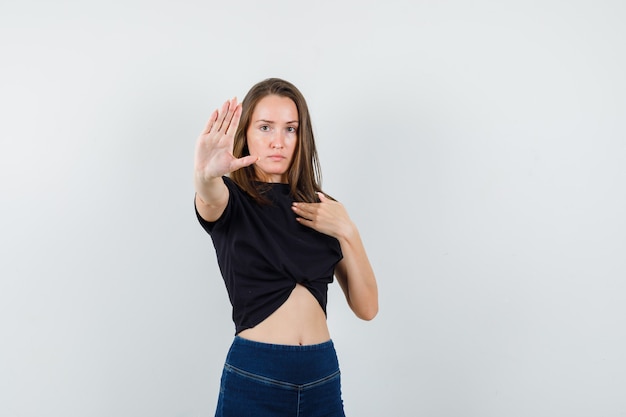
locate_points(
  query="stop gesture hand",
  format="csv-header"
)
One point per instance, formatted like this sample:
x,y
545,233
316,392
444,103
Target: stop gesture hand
x,y
214,148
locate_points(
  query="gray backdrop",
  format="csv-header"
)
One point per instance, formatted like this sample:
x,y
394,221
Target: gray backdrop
x,y
479,145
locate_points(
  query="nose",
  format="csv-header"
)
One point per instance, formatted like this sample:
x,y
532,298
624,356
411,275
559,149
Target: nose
x,y
278,141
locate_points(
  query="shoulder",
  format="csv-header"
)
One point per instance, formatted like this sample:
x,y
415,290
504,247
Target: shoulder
x,y
212,216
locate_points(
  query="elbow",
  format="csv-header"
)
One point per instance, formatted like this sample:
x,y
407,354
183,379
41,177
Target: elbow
x,y
368,314
367,307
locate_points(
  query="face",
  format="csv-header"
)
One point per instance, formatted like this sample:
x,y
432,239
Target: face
x,y
272,136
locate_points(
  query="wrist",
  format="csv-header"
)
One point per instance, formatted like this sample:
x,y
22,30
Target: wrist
x,y
210,191
348,233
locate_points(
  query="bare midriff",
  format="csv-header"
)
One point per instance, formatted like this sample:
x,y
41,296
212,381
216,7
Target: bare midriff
x,y
299,321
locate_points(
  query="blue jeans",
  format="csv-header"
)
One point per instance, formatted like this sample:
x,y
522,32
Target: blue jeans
x,y
263,380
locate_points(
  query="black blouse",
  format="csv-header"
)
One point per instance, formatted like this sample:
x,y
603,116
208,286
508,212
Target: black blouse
x,y
263,252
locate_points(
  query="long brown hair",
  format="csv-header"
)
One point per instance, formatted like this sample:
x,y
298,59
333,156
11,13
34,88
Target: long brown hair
x,y
304,174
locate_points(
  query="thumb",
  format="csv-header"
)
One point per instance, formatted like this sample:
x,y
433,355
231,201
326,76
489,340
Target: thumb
x,y
243,162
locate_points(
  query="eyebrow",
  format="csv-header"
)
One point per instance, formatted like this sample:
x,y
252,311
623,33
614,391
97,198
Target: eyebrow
x,y
272,122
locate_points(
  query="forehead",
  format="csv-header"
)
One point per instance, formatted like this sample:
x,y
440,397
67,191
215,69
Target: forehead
x,y
275,108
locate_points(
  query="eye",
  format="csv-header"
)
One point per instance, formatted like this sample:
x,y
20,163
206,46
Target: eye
x,y
264,128
291,129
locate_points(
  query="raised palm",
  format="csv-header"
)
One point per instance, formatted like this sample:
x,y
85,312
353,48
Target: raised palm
x,y
214,147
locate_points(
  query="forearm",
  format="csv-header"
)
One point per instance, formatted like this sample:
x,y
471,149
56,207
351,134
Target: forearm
x,y
211,191
211,197
356,275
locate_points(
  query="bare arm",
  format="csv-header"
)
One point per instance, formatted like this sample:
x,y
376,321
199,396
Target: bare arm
x,y
354,272
214,158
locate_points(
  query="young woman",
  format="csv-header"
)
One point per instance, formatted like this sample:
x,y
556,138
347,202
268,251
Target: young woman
x,y
279,240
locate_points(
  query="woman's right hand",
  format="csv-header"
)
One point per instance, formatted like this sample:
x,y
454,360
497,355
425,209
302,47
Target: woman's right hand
x,y
214,148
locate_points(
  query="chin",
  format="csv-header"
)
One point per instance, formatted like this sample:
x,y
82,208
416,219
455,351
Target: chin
x,y
270,174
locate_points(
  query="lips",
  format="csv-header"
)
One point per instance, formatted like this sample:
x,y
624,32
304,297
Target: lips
x,y
276,158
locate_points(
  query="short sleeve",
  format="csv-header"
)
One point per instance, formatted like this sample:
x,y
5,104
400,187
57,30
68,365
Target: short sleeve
x,y
226,215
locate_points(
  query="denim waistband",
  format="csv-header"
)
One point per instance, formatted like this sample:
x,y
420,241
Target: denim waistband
x,y
293,364
240,341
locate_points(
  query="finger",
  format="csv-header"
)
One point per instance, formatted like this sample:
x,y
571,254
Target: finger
x,y
210,123
305,209
306,222
232,108
304,206
243,162
222,115
322,197
234,123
